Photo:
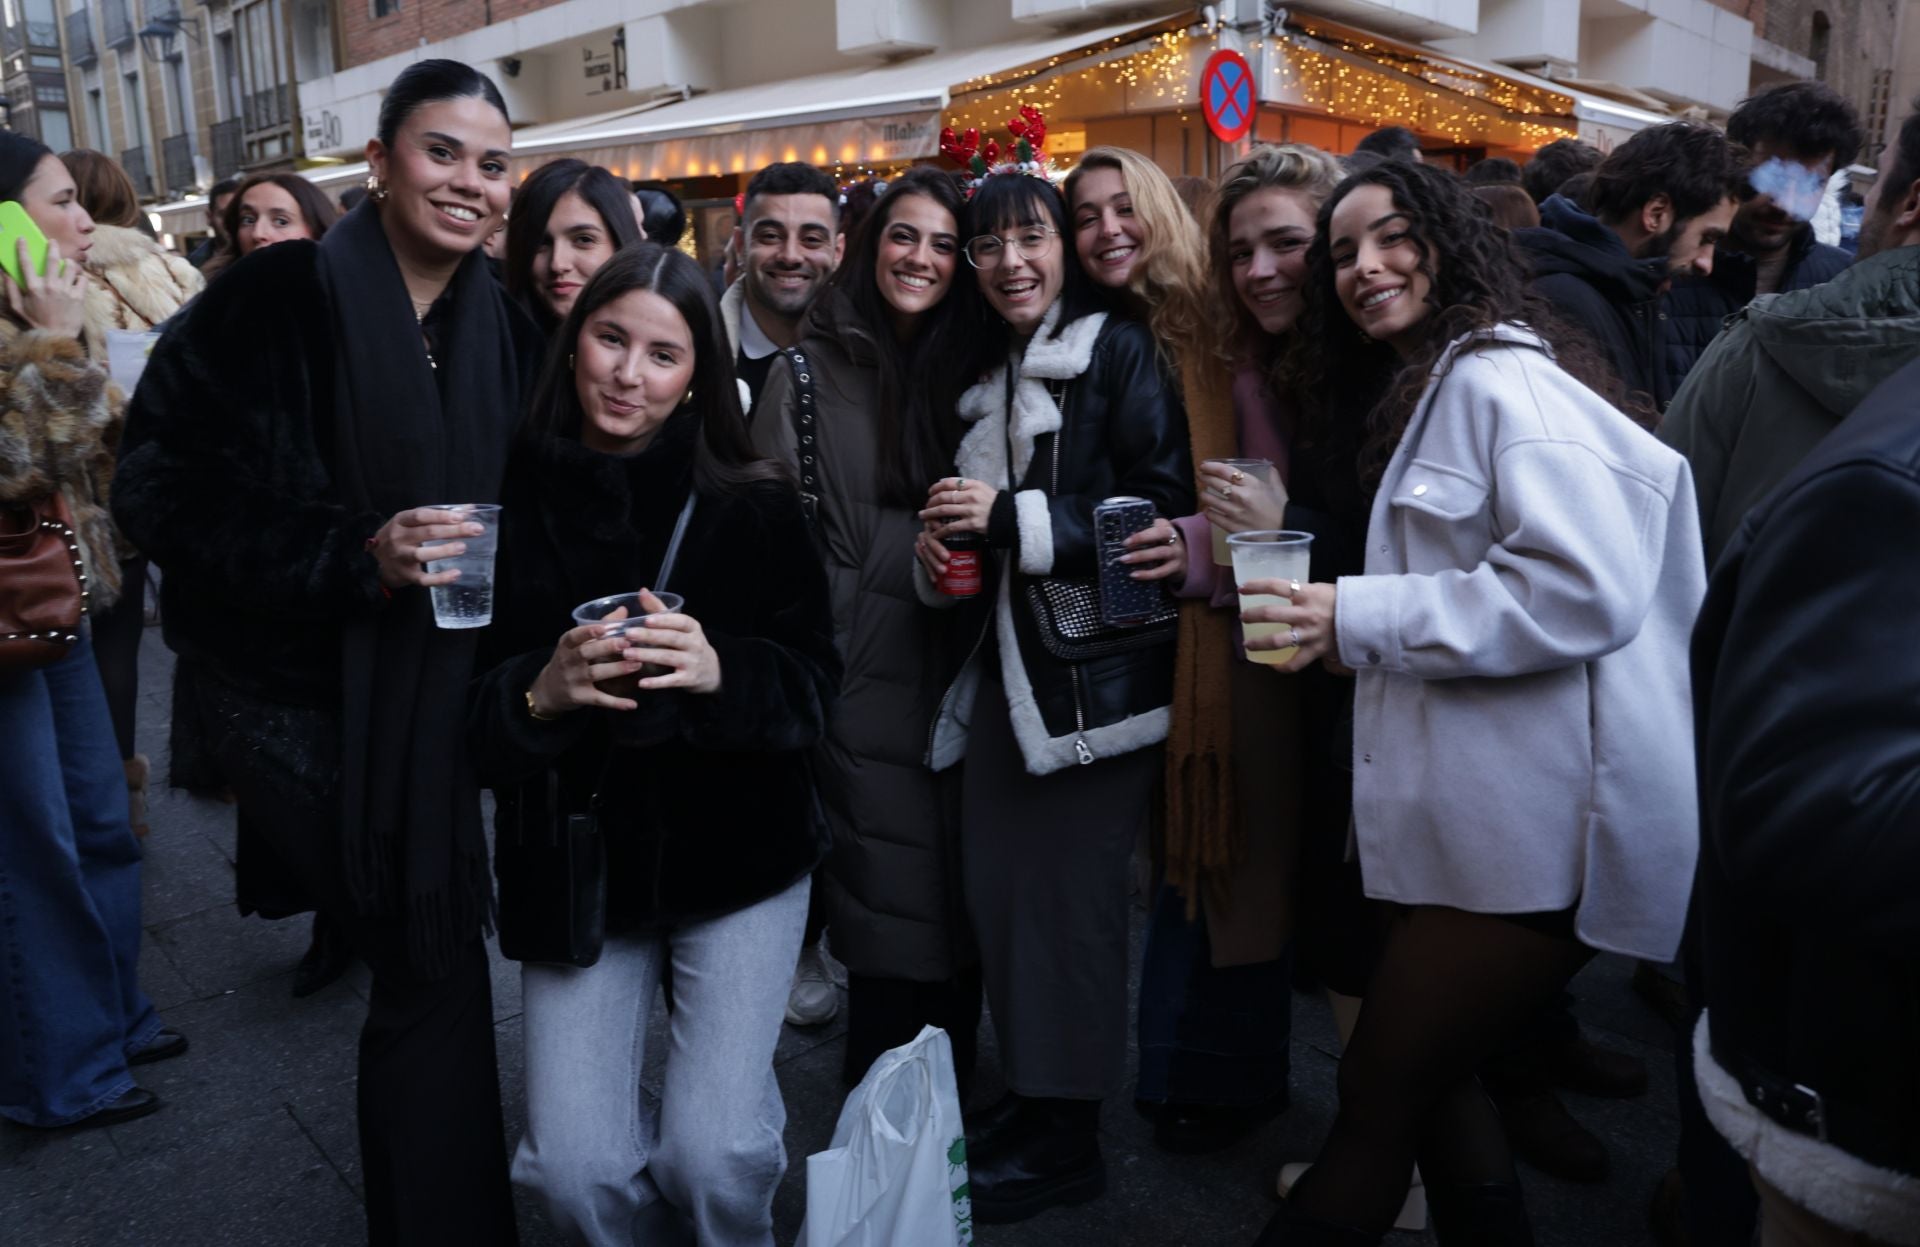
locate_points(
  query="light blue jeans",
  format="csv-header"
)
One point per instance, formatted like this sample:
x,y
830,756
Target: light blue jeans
x,y
608,1169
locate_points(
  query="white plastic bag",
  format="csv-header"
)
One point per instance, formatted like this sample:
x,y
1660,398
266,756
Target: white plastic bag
x,y
896,1175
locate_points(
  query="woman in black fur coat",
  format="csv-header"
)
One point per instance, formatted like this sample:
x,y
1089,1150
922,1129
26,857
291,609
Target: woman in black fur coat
x,y
281,463
689,738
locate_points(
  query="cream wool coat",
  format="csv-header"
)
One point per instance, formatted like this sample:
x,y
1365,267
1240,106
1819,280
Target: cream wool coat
x,y
1523,727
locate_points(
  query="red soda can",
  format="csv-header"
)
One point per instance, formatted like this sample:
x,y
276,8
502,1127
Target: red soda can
x,y
966,564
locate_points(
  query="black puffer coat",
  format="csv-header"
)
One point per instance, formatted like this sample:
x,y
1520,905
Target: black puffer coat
x,y
1583,269
1697,307
892,882
1095,414
708,801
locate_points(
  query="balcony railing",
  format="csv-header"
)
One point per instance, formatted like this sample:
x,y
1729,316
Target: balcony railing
x,y
80,38
117,24
268,109
44,35
176,161
229,148
134,161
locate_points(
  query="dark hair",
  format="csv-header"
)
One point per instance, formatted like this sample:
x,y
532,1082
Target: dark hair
x,y
1578,188
20,155
533,207
1389,143
1553,164
1905,170
315,209
103,187
225,186
1493,171
919,381
1477,281
429,82
1804,119
1007,201
663,219
1510,207
351,198
723,457
792,177
1694,166
856,204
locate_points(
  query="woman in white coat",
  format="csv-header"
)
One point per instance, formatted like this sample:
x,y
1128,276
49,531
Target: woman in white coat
x,y
1523,762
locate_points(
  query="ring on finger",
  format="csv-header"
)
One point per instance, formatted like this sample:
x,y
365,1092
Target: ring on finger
x,y
1238,476
1293,588
1225,492
1293,635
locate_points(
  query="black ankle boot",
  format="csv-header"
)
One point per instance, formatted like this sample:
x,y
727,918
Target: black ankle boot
x,y
327,958
1481,1214
1044,1155
982,1126
1292,1228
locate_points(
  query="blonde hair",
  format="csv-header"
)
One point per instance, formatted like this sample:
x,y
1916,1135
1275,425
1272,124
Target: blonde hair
x,y
1294,167
1170,280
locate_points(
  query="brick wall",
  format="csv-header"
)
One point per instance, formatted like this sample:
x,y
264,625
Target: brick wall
x,y
1859,41
367,38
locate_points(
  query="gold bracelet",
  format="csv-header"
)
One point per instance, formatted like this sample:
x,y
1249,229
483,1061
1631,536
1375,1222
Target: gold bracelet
x,y
533,711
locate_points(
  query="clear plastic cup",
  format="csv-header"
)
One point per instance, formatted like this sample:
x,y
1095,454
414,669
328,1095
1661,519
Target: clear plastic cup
x,y
1269,555
1261,469
597,611
468,601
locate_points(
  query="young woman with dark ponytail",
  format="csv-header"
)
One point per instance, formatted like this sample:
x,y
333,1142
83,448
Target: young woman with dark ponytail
x,y
282,464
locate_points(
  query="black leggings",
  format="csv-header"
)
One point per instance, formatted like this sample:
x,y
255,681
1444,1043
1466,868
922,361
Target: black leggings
x,y
116,650
1449,988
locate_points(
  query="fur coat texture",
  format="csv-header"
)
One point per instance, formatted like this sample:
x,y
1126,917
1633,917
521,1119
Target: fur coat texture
x,y
59,429
136,285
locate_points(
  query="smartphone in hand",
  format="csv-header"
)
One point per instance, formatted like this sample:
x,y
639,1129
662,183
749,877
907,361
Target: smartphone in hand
x,y
16,225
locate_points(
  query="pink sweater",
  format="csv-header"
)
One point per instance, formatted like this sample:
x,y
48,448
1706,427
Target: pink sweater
x,y
1264,430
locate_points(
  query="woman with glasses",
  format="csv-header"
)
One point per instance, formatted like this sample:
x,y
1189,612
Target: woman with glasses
x,y
1075,406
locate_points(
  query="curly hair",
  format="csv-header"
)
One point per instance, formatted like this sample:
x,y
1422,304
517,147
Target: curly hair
x,y
1168,285
1805,119
1693,165
1554,164
1477,281
1296,167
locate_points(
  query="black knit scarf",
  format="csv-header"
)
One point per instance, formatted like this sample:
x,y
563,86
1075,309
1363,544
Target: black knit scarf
x,y
409,805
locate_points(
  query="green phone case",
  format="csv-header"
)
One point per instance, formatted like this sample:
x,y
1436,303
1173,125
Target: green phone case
x,y
15,225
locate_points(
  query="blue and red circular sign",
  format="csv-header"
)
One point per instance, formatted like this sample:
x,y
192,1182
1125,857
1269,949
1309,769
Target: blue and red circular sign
x,y
1226,95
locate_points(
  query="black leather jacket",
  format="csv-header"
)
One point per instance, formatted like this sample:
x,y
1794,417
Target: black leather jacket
x,y
1807,710
1123,432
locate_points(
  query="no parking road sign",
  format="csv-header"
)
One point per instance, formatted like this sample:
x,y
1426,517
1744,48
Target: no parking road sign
x,y
1226,95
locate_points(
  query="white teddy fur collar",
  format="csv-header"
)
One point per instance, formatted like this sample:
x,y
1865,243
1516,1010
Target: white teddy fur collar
x,y
983,451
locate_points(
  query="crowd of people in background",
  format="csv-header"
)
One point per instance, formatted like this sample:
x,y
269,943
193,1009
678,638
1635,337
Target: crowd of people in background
x,y
1599,647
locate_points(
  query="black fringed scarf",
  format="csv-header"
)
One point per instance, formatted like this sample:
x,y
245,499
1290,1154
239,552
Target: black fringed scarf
x,y
406,437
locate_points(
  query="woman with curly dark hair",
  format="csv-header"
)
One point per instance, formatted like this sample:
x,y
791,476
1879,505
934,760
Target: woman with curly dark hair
x,y
1523,782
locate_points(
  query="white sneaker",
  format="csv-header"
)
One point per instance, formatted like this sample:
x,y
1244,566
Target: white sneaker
x,y
814,1000
1413,1213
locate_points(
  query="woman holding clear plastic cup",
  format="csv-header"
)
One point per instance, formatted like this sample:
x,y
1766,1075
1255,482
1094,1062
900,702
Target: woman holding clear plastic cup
x,y
1523,788
684,734
281,459
1215,1021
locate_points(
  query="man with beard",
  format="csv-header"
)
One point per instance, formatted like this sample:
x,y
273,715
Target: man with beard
x,y
1799,133
1658,206
788,246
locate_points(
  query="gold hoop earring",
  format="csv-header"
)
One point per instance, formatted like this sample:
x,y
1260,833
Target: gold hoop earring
x,y
376,189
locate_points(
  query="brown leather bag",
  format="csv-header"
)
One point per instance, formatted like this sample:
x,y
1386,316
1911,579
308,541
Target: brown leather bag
x,y
43,584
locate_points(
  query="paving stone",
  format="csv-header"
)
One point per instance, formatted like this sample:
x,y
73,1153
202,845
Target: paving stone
x,y
184,872
217,950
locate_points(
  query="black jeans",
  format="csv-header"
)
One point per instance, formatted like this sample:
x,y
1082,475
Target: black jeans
x,y
116,648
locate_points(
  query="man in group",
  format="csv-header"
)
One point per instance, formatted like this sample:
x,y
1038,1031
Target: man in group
x,y
1659,205
1798,134
1386,143
788,245
1784,374
217,200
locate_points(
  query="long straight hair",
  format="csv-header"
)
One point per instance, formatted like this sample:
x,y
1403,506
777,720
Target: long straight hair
x,y
918,430
1167,288
723,457
533,208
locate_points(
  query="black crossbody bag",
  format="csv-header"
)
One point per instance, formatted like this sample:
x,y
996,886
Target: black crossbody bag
x,y
553,873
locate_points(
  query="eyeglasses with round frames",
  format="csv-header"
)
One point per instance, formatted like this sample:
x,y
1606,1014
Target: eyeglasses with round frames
x,y
990,250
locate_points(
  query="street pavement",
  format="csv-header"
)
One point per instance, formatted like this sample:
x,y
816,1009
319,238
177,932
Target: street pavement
x,y
256,1142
